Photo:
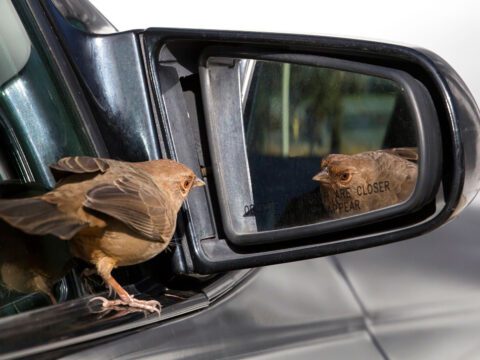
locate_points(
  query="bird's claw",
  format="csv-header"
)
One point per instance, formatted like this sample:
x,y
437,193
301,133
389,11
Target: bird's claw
x,y
149,305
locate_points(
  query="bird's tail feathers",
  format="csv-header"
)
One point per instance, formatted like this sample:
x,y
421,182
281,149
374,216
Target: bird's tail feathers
x,y
37,217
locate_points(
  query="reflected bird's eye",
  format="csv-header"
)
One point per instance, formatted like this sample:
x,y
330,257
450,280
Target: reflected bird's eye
x,y
345,177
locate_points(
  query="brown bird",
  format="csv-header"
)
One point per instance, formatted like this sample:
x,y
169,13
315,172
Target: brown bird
x,y
114,213
354,184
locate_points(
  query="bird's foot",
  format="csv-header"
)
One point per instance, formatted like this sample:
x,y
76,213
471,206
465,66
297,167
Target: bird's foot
x,y
149,305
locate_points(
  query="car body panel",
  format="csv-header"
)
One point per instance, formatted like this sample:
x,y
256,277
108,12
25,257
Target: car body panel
x,y
259,319
416,299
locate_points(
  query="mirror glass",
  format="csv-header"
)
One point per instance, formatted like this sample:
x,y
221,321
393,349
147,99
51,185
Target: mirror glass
x,y
301,144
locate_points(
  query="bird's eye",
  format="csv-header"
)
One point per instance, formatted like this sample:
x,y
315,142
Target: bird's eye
x,y
185,184
344,177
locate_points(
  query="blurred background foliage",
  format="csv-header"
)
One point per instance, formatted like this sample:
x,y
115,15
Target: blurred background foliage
x,y
298,110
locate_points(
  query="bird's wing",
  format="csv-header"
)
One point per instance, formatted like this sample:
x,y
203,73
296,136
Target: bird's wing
x,y
37,217
46,214
407,153
134,199
402,173
78,165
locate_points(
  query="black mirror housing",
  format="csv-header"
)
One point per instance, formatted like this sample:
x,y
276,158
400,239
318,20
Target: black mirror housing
x,y
447,123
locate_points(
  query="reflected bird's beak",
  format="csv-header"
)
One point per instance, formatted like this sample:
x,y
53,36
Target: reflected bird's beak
x,y
323,176
198,182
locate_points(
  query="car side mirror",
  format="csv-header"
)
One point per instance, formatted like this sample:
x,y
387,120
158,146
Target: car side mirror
x,y
310,146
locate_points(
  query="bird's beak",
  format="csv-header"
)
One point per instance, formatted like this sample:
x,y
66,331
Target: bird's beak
x,y
198,182
323,176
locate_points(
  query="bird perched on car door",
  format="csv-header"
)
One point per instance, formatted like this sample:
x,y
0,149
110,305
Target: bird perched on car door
x,y
353,184
114,213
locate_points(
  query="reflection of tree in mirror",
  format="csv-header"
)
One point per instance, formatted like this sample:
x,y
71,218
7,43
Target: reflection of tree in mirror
x,y
329,111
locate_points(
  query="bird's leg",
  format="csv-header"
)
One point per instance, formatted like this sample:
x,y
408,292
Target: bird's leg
x,y
85,276
87,273
104,268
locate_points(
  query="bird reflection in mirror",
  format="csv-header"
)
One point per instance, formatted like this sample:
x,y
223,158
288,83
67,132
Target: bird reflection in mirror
x,y
113,213
367,181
